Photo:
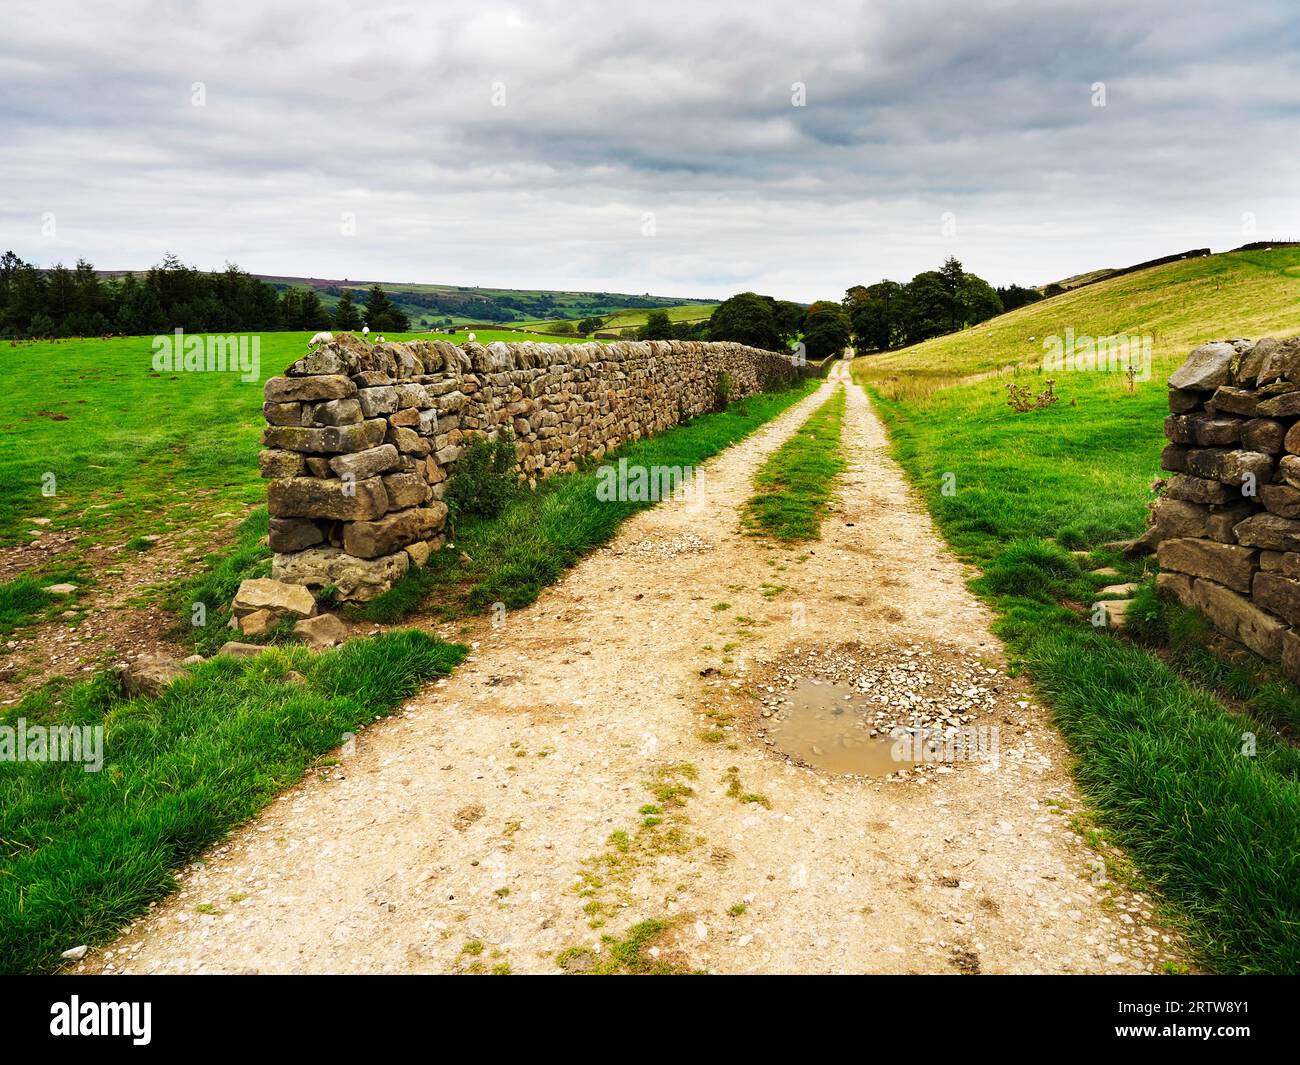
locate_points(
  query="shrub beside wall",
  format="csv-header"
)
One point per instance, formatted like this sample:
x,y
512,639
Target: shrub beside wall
x,y
361,438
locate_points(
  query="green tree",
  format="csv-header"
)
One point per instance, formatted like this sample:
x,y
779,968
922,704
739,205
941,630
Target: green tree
x,y
826,330
383,315
747,318
926,308
875,315
345,313
658,326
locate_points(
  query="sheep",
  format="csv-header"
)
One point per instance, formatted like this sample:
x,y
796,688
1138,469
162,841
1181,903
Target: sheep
x,y
470,339
320,338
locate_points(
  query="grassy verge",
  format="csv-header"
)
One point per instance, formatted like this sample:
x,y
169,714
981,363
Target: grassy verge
x,y
543,532
83,853
794,485
1202,792
24,600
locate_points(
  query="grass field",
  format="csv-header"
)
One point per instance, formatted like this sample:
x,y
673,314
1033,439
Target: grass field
x,y
1156,722
1178,305
130,450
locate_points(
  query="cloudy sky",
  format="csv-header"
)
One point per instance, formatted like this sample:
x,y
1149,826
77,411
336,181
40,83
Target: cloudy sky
x,y
656,146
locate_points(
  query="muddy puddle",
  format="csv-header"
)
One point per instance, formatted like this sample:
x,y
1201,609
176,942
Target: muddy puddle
x,y
826,726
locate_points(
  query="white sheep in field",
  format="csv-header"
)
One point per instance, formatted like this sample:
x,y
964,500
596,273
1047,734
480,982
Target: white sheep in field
x,y
470,339
320,338
365,330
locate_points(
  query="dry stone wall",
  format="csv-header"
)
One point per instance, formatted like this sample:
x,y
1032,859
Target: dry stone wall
x,y
1226,530
361,438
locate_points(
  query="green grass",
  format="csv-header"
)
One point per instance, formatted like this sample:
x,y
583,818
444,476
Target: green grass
x,y
545,531
1216,831
794,484
24,600
131,451
81,853
1179,305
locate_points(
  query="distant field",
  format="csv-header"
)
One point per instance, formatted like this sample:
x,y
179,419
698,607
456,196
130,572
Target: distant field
x,y
430,305
1179,305
633,317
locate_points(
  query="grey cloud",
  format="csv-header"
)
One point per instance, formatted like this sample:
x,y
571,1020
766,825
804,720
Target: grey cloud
x,y
678,109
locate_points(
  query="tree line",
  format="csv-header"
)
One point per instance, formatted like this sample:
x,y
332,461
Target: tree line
x,y
876,317
59,302
890,315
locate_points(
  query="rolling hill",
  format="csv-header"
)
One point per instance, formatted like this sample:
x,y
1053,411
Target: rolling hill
x,y
429,305
1179,305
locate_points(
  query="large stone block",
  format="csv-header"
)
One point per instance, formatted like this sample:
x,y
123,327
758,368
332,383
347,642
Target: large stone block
x,y
1230,467
370,539
1235,401
327,439
1235,616
405,490
1198,490
1172,518
369,463
293,534
1229,564
1217,431
1263,434
1206,368
278,463
1278,594
298,389
1270,531
1283,499
354,579
376,402
1286,405
281,599
311,497
332,412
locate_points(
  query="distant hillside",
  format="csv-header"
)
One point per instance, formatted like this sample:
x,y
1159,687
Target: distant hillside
x,y
439,305
1179,305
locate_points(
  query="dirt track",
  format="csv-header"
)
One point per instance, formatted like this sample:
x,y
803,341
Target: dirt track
x,y
473,816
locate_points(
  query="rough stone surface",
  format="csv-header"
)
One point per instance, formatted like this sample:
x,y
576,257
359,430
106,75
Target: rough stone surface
x,y
281,599
147,676
1205,370
1226,530
355,578
340,500
321,632
1230,564
370,539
